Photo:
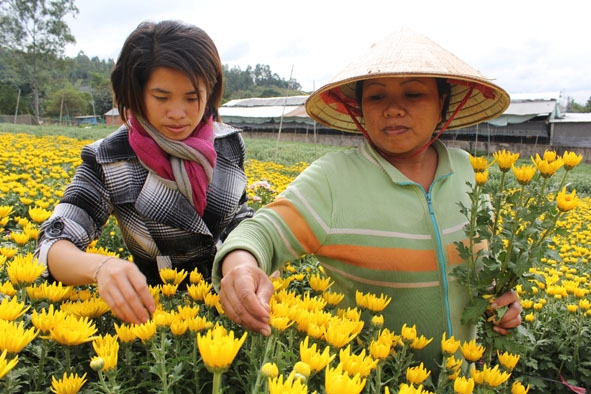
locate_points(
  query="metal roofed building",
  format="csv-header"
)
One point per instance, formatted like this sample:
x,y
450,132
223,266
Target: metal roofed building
x,y
533,121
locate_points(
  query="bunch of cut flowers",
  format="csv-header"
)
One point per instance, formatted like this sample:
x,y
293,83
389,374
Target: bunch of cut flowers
x,y
514,216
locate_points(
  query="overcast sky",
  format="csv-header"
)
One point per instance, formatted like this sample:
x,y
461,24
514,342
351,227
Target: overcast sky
x,y
527,46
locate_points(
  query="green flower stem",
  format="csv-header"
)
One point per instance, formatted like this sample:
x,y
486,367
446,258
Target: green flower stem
x,y
196,364
68,358
269,349
40,376
217,383
104,385
543,188
498,204
505,262
471,263
161,359
563,180
548,230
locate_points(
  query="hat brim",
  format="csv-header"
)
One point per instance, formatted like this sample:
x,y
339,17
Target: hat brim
x,y
408,54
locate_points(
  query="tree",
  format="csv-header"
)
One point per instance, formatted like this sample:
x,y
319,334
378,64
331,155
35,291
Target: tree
x,y
36,33
67,103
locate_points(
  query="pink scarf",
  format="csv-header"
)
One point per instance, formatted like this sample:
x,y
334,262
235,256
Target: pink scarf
x,y
196,153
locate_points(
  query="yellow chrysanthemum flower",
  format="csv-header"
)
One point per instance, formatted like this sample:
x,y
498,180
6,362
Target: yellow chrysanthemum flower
x,y
47,319
145,331
14,337
107,347
355,364
408,334
479,163
24,270
508,360
452,364
21,238
571,160
372,302
337,381
463,385
218,348
6,365
524,173
125,333
319,283
38,214
332,298
340,332
195,276
172,276
5,211
547,167
198,323
420,342
302,370
7,288
280,323
270,370
472,351
168,289
380,349
418,374
494,376
8,252
481,177
316,360
198,291
68,384
52,291
11,308
449,346
178,326
518,388
291,385
377,321
505,159
72,330
567,202
93,307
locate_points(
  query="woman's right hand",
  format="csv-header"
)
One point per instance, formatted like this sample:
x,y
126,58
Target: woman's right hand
x,y
124,288
245,291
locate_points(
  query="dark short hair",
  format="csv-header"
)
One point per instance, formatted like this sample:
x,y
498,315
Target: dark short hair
x,y
443,88
171,44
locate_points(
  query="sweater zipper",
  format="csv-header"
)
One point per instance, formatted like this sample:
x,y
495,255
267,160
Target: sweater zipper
x,y
441,262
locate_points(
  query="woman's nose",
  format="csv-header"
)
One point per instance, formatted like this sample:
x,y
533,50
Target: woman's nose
x,y
175,112
394,109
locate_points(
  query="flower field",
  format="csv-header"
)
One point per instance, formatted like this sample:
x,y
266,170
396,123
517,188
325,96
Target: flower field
x,y
61,339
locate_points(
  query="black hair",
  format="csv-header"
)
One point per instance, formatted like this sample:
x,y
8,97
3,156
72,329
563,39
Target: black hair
x,y
171,44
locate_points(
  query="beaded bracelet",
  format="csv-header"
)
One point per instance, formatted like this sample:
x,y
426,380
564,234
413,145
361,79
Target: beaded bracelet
x,y
99,266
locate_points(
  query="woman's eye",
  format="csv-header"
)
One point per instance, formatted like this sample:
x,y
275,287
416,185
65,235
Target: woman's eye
x,y
374,97
413,95
160,98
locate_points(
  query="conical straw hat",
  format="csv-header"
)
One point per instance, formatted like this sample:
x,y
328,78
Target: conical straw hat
x,y
403,54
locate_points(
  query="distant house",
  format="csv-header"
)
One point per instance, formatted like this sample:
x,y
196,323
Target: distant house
x,y
112,117
533,121
87,120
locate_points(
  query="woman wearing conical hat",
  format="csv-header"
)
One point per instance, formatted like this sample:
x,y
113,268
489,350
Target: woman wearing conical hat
x,y
383,218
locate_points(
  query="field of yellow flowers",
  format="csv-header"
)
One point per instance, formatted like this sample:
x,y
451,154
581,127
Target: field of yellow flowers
x,y
64,340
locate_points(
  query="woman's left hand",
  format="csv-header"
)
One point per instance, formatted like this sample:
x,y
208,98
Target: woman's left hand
x,y
512,317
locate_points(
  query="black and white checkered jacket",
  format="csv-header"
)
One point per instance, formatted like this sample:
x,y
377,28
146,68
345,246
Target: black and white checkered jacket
x,y
159,225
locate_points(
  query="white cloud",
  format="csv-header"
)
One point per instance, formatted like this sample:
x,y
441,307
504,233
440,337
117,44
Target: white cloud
x,y
526,46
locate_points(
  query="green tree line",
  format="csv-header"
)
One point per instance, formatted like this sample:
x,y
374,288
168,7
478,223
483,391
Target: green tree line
x,y
37,79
